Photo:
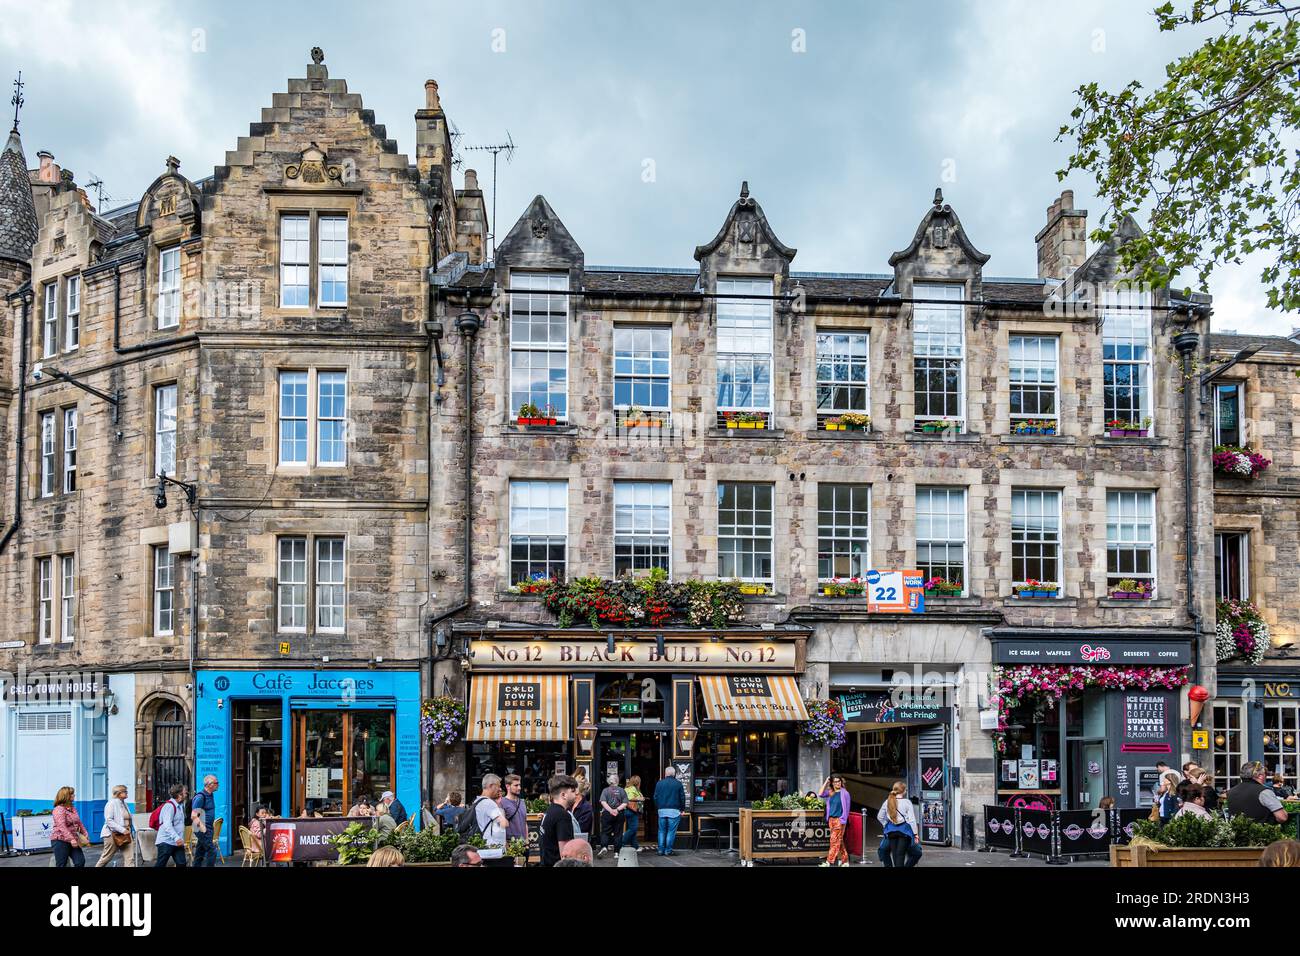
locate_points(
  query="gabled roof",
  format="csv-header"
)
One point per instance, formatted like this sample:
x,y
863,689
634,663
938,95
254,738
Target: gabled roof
x,y
748,204
18,226
940,210
539,232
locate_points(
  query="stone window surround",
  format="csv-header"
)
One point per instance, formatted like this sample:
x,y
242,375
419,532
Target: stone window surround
x,y
1243,402
1159,574
311,534
56,409
965,413
155,376
1260,556
313,204
149,539
313,363
60,283
54,549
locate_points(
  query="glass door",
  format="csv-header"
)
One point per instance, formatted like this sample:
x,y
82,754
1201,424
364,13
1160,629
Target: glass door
x,y
1085,766
340,756
371,759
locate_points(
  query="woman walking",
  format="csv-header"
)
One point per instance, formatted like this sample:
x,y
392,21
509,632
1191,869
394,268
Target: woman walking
x,y
837,816
118,832
898,817
632,833
1168,801
69,833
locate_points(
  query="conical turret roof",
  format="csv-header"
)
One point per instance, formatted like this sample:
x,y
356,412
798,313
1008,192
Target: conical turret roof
x,y
17,210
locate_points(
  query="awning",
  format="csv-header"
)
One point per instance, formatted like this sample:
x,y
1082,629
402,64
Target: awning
x,y
508,707
752,697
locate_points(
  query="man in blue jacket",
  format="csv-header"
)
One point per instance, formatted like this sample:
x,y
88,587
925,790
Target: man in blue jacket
x,y
670,798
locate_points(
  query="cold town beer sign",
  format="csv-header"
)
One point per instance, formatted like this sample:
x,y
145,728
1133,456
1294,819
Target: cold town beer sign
x,y
770,657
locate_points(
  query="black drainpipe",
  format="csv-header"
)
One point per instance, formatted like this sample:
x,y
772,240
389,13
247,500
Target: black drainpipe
x,y
121,349
1186,343
21,426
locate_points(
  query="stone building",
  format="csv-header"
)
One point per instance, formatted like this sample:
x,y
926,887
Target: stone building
x,y
1025,483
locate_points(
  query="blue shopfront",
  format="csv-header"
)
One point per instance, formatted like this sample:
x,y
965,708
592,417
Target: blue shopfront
x,y
300,741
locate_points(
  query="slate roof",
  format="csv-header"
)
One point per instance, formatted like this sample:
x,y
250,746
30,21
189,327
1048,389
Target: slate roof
x,y
18,228
1231,342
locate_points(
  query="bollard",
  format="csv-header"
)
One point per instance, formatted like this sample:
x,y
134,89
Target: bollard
x,y
968,831
627,856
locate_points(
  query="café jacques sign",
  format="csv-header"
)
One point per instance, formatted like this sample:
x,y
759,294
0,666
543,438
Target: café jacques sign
x,y
567,655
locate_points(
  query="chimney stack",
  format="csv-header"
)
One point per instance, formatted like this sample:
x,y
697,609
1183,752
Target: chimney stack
x,y
432,142
1063,242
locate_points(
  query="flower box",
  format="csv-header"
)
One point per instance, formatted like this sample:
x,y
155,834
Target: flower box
x,y
1130,595
732,423
1037,594
644,423
753,589
835,427
1142,855
753,424
528,422
944,593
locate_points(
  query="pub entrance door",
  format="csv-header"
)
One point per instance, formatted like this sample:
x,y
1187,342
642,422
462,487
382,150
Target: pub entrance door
x,y
640,754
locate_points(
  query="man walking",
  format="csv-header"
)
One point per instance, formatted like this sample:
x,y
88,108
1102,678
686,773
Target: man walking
x,y
613,802
515,808
670,798
170,841
203,815
558,827
490,822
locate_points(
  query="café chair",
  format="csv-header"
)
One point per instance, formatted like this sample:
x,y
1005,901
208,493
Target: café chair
x,y
711,829
216,840
403,826
252,853
189,844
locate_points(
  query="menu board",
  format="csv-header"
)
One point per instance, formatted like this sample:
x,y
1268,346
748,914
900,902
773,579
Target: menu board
x,y
1142,727
685,774
1146,721
806,832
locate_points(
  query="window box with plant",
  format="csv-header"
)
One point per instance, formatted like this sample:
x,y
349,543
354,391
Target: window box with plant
x,y
1036,589
940,426
940,588
649,601
753,588
636,417
745,419
537,584
1124,428
840,588
531,416
1129,589
1031,426
1233,461
848,422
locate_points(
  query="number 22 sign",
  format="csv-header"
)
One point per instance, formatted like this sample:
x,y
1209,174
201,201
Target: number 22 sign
x,y
895,592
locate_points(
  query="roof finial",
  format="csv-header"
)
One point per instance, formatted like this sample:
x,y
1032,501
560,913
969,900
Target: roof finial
x,y
744,189
317,55
173,164
938,198
17,99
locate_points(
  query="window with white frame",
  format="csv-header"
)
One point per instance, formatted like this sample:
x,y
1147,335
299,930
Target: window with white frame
x,y
293,418
1033,377
69,450
745,531
332,256
642,526
941,534
843,531
50,321
49,441
67,596
539,342
169,287
843,373
331,589
938,352
1228,423
164,404
1131,537
72,322
45,600
1232,566
295,261
331,418
539,530
1229,738
642,368
1126,357
291,584
744,346
1035,536
164,590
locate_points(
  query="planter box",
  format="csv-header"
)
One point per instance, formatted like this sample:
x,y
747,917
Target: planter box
x,y
1037,594
753,589
783,835
731,424
1126,856
835,427
1129,596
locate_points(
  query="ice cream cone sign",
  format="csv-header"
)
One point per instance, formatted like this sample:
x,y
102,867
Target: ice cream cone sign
x,y
1197,696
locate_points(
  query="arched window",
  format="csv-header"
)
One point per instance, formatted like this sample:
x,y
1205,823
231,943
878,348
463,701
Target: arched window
x,y
635,701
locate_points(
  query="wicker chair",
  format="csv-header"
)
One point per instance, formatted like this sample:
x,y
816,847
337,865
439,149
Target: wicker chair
x,y
404,826
252,852
216,840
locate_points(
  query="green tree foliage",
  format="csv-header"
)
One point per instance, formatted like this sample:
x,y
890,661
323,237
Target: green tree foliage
x,y
1212,151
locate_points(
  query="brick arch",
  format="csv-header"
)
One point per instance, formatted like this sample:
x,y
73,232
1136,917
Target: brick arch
x,y
147,791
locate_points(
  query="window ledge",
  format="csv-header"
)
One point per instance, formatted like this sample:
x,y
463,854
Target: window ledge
x,y
1015,439
967,437
768,598
513,596
1040,602
971,601
821,434
1150,602
566,431
1129,442
770,434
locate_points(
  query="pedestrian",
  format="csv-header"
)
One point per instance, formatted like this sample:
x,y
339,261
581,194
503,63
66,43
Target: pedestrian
x,y
449,810
1191,797
613,803
257,826
585,816
837,816
1253,799
670,800
580,775
1168,799
118,832
466,855
570,861
386,856
578,850
1281,853
558,828
1202,776
1162,768
489,822
69,833
393,806
913,852
515,807
203,816
898,817
170,840
1281,787
632,816
1106,803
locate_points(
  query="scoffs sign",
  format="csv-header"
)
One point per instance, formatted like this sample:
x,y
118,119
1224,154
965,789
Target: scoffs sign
x,y
895,592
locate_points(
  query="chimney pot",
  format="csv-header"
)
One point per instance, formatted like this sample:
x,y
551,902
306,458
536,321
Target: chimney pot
x,y
431,95
1067,198
471,179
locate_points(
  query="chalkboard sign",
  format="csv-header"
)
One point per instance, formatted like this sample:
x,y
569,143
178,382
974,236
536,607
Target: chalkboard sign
x,y
791,832
685,775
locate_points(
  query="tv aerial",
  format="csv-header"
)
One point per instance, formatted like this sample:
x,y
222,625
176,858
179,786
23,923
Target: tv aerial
x,y
496,149
101,197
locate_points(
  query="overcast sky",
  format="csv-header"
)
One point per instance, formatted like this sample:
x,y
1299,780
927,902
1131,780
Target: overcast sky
x,y
637,121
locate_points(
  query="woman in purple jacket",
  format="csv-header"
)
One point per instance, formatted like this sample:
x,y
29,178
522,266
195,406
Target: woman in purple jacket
x,y
837,815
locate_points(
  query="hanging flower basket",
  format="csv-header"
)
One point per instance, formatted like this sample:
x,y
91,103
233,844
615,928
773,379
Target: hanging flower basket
x,y
1240,632
442,719
825,724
